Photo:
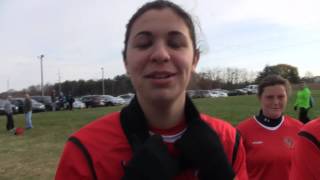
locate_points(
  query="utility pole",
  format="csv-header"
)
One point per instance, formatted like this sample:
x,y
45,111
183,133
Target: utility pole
x,y
102,71
41,66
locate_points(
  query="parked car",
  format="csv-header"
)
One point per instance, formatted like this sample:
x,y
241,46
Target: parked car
x,y
251,89
15,108
191,93
218,93
237,92
93,101
78,104
46,100
112,101
126,97
36,106
19,103
202,94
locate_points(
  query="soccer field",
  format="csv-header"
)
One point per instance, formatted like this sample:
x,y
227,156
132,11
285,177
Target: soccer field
x,y
35,154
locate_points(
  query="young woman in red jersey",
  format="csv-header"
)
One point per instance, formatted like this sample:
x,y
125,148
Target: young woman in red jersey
x,y
306,154
160,135
270,137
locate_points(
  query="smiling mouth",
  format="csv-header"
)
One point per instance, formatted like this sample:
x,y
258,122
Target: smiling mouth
x,y
159,75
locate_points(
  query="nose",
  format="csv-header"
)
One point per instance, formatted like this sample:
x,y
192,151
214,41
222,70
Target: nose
x,y
276,101
160,53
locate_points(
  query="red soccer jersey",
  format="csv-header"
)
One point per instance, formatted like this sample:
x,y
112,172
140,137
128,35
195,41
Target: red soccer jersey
x,y
108,146
306,155
269,149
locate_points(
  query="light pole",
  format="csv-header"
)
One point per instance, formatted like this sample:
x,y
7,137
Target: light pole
x,y
41,59
102,71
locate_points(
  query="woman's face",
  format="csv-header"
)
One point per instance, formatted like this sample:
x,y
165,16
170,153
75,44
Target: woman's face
x,y
273,101
160,56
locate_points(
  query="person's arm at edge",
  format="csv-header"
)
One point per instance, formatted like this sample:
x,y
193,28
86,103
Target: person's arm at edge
x,y
239,166
304,155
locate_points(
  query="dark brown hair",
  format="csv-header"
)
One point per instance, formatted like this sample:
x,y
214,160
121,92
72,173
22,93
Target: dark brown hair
x,y
273,80
159,5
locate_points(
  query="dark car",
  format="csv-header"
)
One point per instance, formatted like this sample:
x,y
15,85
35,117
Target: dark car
x,y
46,100
36,106
236,92
93,101
19,103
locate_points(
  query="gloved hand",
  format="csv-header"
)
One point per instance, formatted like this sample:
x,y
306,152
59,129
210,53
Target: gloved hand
x,y
295,108
200,146
151,161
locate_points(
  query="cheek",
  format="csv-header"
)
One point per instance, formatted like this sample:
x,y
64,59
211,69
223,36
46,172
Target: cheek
x,y
266,103
186,65
137,61
133,65
133,69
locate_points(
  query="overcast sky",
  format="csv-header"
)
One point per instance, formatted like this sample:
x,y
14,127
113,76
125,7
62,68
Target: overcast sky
x,y
78,37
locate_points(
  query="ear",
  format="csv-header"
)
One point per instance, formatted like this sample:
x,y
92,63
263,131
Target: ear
x,y
195,60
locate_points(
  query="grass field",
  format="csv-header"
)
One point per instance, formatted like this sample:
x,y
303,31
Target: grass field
x,y
35,154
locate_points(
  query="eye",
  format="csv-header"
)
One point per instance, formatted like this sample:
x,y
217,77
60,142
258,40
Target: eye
x,y
143,40
176,43
176,40
142,43
269,97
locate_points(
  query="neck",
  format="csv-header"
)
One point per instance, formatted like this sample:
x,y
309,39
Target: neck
x,y
163,115
270,122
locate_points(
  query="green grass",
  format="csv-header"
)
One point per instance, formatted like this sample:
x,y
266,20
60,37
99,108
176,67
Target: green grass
x,y
35,154
235,109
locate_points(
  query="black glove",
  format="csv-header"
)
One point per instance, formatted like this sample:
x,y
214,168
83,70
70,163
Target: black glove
x,y
200,146
295,108
152,161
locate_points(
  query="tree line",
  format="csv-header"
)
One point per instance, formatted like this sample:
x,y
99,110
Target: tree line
x,y
226,78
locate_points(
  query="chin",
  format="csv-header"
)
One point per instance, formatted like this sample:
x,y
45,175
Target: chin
x,y
164,96
275,115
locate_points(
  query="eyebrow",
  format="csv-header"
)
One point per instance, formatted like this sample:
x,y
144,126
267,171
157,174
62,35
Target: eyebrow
x,y
171,33
143,33
176,33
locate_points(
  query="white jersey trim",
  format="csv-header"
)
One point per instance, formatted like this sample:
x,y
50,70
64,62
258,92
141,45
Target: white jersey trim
x,y
270,128
171,138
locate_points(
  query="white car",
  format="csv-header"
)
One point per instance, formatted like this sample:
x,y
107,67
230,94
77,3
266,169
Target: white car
x,y
252,89
218,93
126,97
78,104
112,101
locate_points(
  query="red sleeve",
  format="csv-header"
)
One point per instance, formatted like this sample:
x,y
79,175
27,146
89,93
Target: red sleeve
x,y
239,165
73,165
305,161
